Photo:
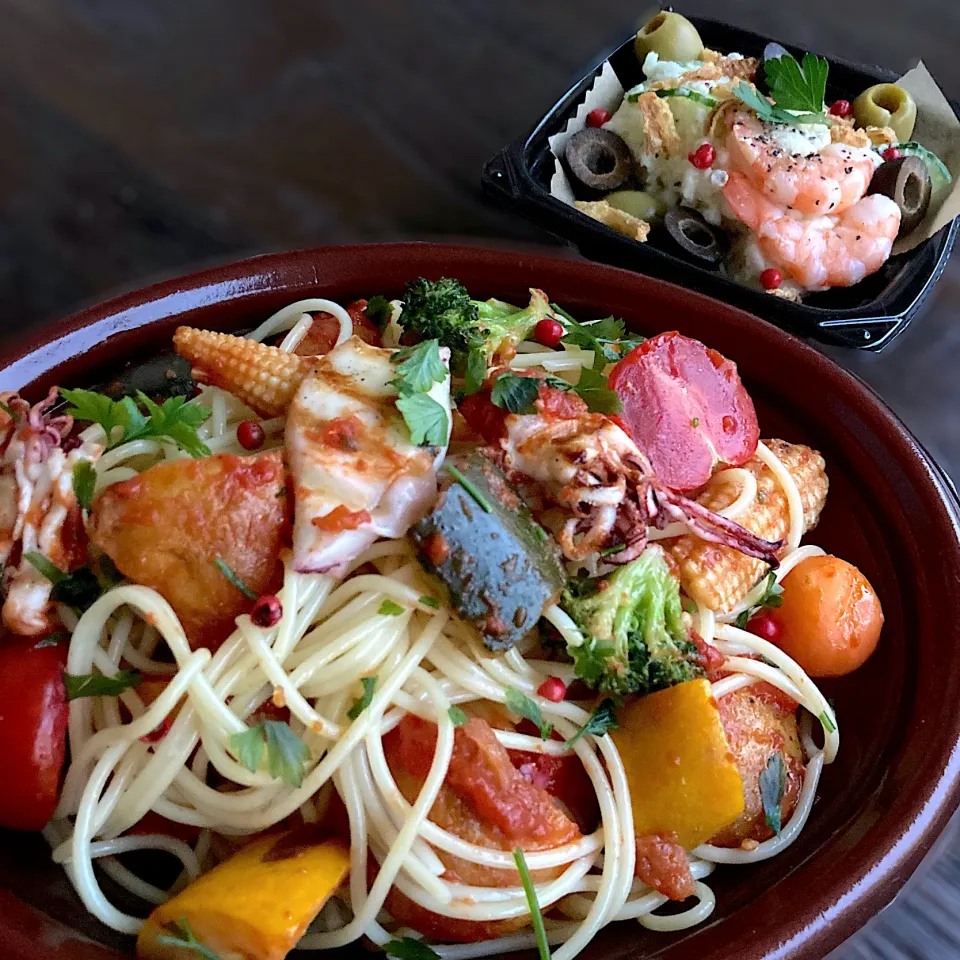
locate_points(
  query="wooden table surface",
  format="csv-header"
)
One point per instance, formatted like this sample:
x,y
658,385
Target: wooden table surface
x,y
140,140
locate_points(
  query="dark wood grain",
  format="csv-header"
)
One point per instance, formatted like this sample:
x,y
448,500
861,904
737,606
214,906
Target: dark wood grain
x,y
145,139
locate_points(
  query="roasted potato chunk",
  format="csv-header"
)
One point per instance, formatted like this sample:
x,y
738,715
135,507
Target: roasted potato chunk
x,y
165,529
759,721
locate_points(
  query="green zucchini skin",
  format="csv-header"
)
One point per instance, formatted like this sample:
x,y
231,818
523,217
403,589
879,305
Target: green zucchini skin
x,y
501,568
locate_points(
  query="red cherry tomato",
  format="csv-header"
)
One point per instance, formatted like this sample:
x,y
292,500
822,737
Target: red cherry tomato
x,y
685,408
702,158
251,435
552,689
33,730
483,417
548,332
892,153
771,278
598,117
764,626
841,108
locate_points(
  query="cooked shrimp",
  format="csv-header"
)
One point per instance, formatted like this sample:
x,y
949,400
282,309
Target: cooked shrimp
x,y
810,180
818,252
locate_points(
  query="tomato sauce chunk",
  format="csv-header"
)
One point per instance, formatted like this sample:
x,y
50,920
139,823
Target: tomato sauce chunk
x,y
663,864
685,408
321,338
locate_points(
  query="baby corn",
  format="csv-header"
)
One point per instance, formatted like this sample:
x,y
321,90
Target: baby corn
x,y
264,378
720,577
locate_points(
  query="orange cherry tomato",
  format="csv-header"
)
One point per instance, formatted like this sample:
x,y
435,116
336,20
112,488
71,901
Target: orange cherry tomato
x,y
830,618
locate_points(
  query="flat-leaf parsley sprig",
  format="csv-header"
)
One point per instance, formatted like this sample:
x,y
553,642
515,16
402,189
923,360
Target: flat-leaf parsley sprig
x,y
797,90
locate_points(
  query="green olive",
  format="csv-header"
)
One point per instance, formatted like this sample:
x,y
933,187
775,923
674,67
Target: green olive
x,y
670,36
886,105
636,203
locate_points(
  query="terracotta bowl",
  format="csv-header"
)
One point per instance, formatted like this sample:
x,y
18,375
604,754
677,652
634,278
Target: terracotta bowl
x,y
890,511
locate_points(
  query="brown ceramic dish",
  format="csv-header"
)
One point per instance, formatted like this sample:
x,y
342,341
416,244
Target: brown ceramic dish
x,y
890,511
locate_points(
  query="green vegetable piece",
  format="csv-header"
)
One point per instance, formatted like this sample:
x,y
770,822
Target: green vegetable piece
x,y
390,608
457,717
378,311
536,917
601,721
500,571
84,483
409,948
939,174
671,36
683,92
286,753
636,640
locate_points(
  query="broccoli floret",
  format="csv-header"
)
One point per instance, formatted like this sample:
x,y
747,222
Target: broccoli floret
x,y
636,640
474,330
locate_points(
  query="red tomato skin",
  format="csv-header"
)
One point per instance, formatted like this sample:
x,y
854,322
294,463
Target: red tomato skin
x,y
685,408
483,417
33,730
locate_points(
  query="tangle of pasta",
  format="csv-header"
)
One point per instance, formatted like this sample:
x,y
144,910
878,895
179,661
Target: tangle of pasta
x,y
331,634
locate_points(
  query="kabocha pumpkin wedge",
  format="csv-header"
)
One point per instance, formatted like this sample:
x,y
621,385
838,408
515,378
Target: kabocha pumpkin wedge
x,y
683,777
256,905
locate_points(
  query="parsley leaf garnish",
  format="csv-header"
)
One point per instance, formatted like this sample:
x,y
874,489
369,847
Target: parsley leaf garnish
x,y
369,687
183,938
773,783
520,704
419,367
429,601
426,419
476,371
793,88
287,754
457,717
601,720
593,390
80,589
390,609
378,311
175,418
409,948
539,931
606,338
516,394
228,572
84,483
80,685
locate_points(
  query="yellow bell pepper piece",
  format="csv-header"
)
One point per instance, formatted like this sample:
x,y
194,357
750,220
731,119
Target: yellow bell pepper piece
x,y
682,775
254,906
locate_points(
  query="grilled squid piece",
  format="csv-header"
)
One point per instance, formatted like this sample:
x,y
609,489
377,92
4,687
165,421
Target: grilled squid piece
x,y
357,476
39,512
597,474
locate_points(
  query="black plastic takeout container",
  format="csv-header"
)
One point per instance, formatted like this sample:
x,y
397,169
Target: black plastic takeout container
x,y
867,316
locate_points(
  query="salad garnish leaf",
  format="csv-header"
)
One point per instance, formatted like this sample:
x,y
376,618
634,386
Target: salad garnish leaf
x,y
601,721
409,948
773,783
520,704
84,483
476,371
80,685
793,87
593,390
429,601
175,418
183,938
286,753
369,688
518,394
457,717
228,572
536,916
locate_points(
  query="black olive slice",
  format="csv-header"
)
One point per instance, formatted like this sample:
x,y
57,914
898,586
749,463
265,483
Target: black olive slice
x,y
906,181
599,159
694,235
